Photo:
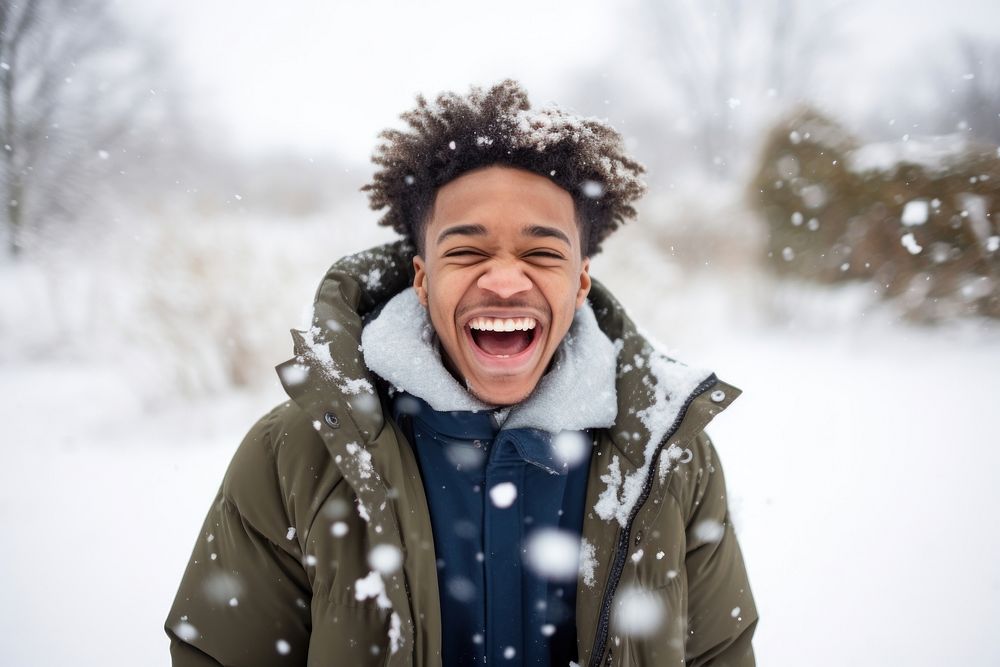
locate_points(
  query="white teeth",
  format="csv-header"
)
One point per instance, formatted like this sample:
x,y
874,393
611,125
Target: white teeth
x,y
498,324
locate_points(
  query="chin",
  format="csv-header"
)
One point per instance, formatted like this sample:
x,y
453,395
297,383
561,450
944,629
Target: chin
x,y
498,395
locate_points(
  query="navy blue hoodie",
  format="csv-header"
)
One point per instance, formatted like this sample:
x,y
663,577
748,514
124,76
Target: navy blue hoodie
x,y
495,608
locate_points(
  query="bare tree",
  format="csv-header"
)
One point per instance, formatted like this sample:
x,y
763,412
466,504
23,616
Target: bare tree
x,y
979,102
954,88
74,93
730,66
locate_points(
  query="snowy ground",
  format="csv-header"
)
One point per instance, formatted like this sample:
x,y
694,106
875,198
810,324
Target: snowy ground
x,y
861,462
864,471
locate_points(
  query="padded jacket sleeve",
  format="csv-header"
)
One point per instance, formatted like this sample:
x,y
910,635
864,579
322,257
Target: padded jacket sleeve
x,y
244,598
721,612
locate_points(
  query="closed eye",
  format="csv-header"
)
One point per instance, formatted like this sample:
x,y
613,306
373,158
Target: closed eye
x,y
546,254
464,252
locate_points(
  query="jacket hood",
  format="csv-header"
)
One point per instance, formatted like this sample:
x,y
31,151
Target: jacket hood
x,y
328,371
657,396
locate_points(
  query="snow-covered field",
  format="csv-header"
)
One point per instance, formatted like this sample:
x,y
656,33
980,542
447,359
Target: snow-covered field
x,y
861,462
863,471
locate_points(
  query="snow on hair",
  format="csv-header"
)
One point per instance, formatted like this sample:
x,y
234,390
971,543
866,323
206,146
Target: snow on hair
x,y
458,134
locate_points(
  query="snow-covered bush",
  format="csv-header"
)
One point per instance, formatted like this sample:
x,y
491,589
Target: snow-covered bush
x,y
914,218
186,306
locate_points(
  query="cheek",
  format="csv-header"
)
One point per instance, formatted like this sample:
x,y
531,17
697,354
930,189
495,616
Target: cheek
x,y
454,286
569,292
443,300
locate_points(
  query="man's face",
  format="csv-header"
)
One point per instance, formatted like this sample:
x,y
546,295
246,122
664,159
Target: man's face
x,y
501,276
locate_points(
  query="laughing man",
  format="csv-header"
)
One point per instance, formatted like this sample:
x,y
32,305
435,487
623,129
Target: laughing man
x,y
481,461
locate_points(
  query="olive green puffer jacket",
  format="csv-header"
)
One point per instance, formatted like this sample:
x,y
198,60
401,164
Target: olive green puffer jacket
x,y
280,572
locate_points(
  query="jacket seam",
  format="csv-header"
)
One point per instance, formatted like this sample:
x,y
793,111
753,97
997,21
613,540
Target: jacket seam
x,y
328,587
271,453
231,505
675,492
248,527
268,422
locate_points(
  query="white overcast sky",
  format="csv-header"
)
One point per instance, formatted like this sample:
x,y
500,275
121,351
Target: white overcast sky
x,y
326,76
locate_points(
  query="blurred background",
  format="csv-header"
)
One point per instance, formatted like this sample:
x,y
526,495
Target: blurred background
x,y
820,229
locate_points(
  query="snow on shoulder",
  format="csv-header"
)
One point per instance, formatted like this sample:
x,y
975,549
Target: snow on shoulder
x,y
673,383
372,586
317,349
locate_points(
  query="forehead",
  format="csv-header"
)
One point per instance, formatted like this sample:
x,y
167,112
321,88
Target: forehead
x,y
503,200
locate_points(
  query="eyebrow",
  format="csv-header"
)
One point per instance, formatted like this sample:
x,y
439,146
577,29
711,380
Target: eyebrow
x,y
543,232
534,231
462,230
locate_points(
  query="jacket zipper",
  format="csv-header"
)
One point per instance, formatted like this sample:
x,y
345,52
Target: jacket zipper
x,y
621,551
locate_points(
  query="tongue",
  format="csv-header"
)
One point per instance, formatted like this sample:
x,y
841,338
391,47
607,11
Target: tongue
x,y
502,343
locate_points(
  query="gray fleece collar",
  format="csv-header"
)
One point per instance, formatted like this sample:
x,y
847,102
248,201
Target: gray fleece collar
x,y
577,393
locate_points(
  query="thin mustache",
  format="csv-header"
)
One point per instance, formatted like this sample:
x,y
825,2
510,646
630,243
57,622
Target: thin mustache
x,y
499,304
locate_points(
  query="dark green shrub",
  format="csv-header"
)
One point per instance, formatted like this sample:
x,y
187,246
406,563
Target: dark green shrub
x,y
914,218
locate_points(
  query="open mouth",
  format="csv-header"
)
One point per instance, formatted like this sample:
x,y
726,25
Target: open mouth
x,y
503,337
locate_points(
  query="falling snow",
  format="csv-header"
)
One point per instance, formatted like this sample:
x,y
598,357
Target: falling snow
x,y
294,374
709,530
910,243
503,494
553,554
638,612
592,189
385,558
571,447
186,631
222,585
915,212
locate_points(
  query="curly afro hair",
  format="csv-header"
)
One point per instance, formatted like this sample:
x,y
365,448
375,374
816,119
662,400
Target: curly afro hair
x,y
458,134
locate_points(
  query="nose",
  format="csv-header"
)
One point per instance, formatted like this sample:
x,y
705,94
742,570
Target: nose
x,y
505,280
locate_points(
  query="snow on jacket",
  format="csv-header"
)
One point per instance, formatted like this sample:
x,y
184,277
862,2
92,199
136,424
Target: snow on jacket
x,y
318,548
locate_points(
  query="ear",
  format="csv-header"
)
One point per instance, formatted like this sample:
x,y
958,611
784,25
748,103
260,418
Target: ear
x,y
584,290
420,279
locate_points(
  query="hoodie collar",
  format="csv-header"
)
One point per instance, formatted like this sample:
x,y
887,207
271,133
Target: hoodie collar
x,y
577,393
